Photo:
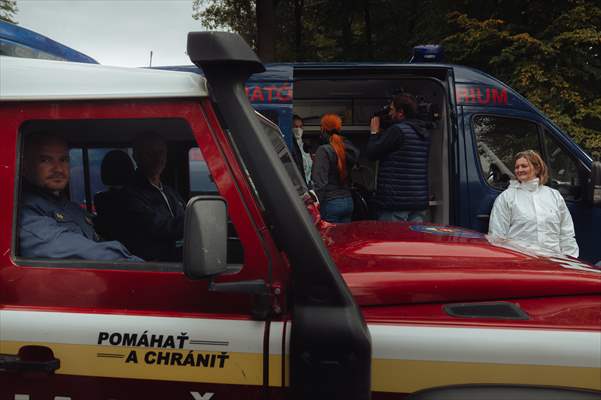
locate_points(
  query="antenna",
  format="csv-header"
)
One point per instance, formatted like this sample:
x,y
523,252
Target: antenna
x,y
150,63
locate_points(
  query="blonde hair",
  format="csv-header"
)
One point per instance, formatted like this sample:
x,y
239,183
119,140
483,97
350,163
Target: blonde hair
x,y
540,168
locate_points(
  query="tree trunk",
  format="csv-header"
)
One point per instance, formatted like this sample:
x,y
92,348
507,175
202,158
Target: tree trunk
x,y
368,33
348,49
265,30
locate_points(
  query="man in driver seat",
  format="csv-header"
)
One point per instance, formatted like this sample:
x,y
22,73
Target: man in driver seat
x,y
50,225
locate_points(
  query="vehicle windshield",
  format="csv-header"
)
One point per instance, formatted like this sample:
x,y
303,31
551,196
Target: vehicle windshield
x,y
277,140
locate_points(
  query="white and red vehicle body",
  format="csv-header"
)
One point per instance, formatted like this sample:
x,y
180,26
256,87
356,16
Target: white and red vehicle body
x,y
432,307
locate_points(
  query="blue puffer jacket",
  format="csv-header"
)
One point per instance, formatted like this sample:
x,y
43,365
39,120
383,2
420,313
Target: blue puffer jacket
x,y
403,151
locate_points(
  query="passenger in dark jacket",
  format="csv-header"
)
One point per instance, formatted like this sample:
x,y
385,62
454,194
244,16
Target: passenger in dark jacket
x,y
154,210
330,173
403,151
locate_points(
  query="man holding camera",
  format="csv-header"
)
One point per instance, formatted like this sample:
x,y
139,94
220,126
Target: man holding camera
x,y
402,150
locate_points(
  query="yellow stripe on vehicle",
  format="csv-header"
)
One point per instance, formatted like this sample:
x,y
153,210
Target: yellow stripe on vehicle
x,y
409,376
405,358
150,363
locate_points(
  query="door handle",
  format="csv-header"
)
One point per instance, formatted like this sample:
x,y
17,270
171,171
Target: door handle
x,y
483,217
30,359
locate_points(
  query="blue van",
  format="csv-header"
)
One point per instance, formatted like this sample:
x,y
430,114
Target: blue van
x,y
481,123
16,41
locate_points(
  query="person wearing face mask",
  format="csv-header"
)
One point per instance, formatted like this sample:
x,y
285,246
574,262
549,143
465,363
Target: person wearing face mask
x,y
531,212
301,157
330,174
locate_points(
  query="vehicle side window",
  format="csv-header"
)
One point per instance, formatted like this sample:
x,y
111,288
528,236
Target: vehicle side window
x,y
104,211
498,140
271,115
201,181
563,170
77,191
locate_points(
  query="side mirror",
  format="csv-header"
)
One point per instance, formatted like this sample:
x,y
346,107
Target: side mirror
x,y
594,194
205,237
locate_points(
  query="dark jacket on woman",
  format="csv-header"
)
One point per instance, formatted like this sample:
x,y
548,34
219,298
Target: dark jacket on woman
x,y
325,176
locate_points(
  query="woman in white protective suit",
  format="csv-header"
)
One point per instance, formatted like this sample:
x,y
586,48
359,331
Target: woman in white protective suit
x,y
530,212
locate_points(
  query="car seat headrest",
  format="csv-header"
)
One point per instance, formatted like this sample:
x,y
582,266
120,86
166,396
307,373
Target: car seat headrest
x,y
117,168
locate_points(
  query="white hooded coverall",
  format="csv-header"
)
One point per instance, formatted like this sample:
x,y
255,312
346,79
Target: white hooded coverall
x,y
534,214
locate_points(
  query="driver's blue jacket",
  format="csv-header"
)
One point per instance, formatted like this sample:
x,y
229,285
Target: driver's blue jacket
x,y
54,227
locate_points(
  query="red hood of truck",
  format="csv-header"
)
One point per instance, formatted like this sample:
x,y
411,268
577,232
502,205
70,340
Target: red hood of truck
x,y
386,263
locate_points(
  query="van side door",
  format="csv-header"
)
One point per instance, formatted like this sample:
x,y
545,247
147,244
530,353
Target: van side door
x,y
491,140
569,174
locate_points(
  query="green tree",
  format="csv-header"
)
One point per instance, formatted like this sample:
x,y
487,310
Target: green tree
x,y
236,15
549,50
254,20
553,58
8,10
265,29
303,30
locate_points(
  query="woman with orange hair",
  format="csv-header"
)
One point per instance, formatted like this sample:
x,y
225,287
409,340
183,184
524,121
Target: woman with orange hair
x,y
330,174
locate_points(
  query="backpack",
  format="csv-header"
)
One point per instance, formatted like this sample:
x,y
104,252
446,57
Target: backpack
x,y
359,186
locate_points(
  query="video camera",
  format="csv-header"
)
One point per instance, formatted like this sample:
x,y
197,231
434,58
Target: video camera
x,y
384,115
426,111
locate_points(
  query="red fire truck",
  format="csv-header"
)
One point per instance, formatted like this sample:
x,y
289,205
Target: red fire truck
x,y
270,301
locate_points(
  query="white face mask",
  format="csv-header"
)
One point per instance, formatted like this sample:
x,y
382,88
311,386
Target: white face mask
x,y
298,132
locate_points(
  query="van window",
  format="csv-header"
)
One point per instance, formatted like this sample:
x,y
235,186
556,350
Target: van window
x,y
12,49
563,170
498,140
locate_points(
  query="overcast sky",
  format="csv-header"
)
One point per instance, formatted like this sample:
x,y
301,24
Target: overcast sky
x,y
115,32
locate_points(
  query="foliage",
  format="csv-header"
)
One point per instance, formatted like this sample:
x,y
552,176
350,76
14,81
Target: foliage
x,y
548,50
236,15
8,10
558,68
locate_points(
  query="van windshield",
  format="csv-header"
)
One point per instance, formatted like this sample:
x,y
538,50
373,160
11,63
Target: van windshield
x,y
277,140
